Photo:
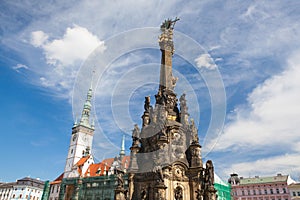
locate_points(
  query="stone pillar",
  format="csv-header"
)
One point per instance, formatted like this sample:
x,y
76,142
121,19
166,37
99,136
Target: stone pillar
x,y
160,191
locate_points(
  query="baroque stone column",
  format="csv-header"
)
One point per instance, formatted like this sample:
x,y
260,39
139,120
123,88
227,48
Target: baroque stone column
x,y
160,191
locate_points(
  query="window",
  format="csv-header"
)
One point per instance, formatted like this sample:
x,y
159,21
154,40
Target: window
x,y
298,193
266,191
294,194
271,191
254,192
277,190
284,190
243,193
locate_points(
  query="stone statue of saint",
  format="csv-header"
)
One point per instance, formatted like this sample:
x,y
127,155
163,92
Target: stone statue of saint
x,y
120,180
199,194
158,170
209,173
143,194
135,135
168,23
147,104
178,193
194,131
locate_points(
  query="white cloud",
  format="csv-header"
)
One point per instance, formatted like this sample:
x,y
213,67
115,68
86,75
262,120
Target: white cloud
x,y
267,126
65,55
76,44
38,38
19,66
285,164
205,61
273,109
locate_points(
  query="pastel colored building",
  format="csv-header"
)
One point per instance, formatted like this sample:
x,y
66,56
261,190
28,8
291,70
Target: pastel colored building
x,y
260,188
294,190
6,190
24,189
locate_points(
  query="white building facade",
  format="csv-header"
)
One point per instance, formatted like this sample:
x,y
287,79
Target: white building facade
x,y
6,190
24,189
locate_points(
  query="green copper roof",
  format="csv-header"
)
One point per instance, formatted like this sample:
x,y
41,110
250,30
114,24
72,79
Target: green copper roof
x,y
270,179
85,116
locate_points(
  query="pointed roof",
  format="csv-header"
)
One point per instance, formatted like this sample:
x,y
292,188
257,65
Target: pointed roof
x,y
85,115
97,169
122,151
82,160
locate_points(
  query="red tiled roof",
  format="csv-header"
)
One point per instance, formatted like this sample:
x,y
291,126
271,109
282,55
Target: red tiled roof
x,y
82,160
58,179
108,161
126,160
97,169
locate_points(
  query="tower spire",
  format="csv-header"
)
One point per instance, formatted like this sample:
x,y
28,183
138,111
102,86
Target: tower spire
x,y
122,151
85,115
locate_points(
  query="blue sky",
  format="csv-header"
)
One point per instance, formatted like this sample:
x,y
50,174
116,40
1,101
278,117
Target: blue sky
x,y
249,49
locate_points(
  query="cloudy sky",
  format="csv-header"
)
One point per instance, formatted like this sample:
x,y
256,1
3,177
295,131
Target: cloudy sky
x,y
237,61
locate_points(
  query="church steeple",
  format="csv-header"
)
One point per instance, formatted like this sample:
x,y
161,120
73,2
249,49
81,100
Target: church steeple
x,y
82,137
85,115
122,151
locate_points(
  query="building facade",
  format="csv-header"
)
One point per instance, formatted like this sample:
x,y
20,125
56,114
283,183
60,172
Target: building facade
x,y
260,188
25,188
6,190
294,190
